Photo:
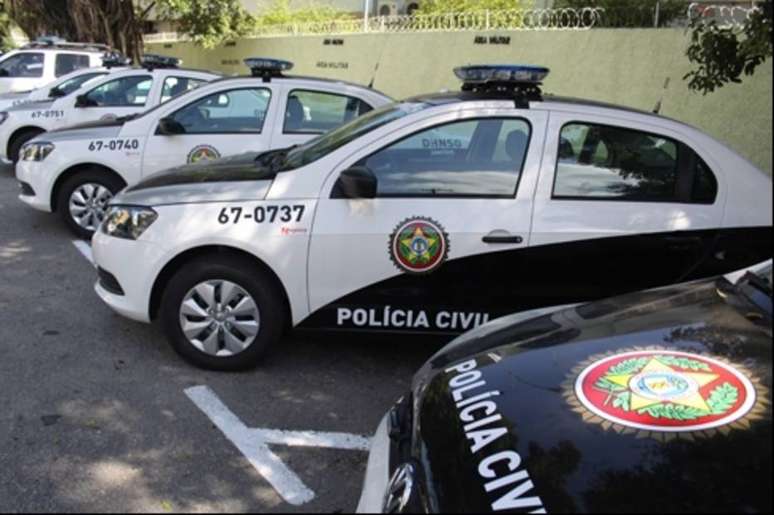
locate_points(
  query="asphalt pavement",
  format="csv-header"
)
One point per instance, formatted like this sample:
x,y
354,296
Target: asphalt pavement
x,y
94,414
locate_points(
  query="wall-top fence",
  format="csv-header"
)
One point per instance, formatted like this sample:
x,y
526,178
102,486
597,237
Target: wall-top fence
x,y
670,14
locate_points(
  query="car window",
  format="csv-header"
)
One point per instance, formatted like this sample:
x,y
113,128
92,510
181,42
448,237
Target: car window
x,y
705,185
174,86
129,91
67,63
316,112
613,163
235,111
482,157
25,64
71,85
331,141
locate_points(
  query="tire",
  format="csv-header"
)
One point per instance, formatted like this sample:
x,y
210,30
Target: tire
x,y
261,288
83,179
18,142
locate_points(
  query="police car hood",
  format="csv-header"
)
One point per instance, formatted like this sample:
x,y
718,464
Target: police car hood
x,y
603,407
219,180
85,132
31,106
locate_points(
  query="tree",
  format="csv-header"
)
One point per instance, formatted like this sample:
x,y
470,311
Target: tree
x,y
722,54
631,13
208,23
111,22
465,6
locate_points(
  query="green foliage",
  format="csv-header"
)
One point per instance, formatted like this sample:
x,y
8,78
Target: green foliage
x,y
684,363
465,6
6,42
722,54
281,13
631,13
722,398
208,23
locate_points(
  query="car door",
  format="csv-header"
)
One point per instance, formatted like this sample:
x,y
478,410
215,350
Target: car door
x,y
441,247
621,206
24,71
309,112
224,123
121,96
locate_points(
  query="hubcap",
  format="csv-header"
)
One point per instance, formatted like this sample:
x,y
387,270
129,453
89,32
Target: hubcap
x,y
88,204
219,318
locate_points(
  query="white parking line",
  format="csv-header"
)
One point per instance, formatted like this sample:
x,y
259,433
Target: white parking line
x,y
85,249
254,444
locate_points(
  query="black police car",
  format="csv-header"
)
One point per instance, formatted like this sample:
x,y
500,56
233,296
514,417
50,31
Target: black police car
x,y
657,401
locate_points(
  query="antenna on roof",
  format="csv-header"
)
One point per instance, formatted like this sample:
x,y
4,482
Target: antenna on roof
x,y
657,109
522,81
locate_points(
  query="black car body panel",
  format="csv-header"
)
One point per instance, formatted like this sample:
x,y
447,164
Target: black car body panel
x,y
536,447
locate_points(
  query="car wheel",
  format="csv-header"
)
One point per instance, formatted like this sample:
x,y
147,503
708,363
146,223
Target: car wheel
x,y
222,315
18,142
83,200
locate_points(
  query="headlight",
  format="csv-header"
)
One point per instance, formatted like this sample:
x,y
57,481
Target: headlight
x,y
36,150
128,222
3,117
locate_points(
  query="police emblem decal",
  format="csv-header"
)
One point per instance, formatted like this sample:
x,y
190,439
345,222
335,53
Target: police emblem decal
x,y
418,245
662,392
203,153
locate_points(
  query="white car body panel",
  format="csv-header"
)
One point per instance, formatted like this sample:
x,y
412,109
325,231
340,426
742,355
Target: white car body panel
x,y
149,153
21,84
62,112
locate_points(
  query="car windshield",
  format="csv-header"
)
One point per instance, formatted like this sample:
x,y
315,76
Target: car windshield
x,y
337,138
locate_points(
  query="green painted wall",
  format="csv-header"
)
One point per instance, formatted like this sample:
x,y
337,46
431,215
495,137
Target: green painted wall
x,y
623,66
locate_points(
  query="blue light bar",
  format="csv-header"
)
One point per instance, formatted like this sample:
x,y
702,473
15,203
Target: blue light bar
x,y
114,59
264,66
160,61
516,74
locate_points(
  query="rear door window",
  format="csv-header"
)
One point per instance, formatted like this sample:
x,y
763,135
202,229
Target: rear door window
x,y
613,163
316,112
67,63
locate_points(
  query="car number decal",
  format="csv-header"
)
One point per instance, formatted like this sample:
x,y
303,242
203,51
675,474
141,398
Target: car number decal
x,y
113,145
49,113
262,214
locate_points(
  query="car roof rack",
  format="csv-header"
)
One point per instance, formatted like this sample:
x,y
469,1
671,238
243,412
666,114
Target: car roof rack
x,y
115,59
63,44
266,68
521,82
155,61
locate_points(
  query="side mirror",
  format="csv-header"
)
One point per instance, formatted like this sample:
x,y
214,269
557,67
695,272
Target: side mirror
x,y
84,101
168,126
355,182
56,93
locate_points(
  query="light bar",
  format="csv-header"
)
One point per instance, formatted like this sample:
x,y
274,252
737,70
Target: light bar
x,y
160,61
261,66
114,59
516,74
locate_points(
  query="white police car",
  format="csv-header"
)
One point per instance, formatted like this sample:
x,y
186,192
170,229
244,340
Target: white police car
x,y
66,84
42,61
77,171
431,215
120,94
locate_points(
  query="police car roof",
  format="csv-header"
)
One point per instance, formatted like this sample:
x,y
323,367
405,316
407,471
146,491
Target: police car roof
x,y
306,78
451,97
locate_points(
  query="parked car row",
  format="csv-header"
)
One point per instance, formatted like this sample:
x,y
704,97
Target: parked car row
x,y
230,209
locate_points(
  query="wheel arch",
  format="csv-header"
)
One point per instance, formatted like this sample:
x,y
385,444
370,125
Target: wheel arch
x,y
74,169
18,132
166,273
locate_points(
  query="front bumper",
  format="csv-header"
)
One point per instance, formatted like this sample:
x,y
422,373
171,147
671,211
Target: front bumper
x,y
39,180
378,471
120,259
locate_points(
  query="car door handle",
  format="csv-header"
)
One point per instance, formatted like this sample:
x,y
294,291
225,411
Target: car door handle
x,y
502,237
